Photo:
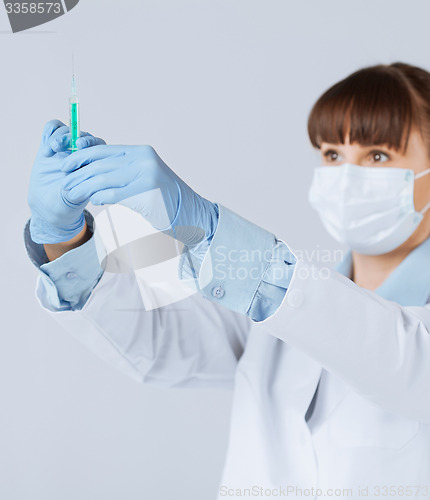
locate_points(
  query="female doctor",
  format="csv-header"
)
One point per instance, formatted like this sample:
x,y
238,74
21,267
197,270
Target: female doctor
x,y
330,371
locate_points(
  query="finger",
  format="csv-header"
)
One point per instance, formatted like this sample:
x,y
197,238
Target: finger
x,y
110,196
85,140
88,155
49,128
96,169
94,183
107,168
88,141
60,143
55,140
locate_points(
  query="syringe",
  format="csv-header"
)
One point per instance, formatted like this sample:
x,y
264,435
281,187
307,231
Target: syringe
x,y
74,115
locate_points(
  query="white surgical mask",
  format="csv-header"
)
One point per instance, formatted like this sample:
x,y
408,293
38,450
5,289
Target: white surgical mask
x,y
371,209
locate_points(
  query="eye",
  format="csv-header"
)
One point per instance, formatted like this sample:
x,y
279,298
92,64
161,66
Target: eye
x,y
378,157
331,156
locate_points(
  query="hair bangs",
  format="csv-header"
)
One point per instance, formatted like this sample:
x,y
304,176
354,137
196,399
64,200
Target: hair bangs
x,y
372,106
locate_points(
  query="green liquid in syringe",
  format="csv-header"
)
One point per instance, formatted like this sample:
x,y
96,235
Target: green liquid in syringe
x,y
74,125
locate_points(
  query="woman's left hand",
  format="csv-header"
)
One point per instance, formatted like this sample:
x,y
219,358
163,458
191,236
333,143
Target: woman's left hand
x,y
136,177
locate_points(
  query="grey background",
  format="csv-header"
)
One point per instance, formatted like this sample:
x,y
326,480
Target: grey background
x,y
222,90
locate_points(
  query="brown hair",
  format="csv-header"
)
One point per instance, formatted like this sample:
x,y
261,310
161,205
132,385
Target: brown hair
x,y
375,105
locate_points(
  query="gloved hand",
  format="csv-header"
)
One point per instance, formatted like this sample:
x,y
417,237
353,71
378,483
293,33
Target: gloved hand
x,y
136,177
52,219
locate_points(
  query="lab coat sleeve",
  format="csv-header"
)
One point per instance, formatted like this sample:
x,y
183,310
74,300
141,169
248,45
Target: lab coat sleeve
x,y
190,343
379,348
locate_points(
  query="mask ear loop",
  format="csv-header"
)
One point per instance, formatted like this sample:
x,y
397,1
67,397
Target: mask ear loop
x,y
421,174
424,210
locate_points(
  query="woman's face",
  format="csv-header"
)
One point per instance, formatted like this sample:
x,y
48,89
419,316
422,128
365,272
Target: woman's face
x,y
415,158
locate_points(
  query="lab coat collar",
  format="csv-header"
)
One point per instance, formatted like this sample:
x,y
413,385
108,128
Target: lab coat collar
x,y
409,283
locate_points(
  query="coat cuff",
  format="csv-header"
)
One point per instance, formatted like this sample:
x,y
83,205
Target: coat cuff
x,y
68,280
245,268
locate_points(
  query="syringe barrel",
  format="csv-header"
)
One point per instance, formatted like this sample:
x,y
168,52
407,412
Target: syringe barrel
x,y
74,121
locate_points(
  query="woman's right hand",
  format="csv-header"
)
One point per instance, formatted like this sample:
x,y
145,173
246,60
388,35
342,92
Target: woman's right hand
x,y
54,219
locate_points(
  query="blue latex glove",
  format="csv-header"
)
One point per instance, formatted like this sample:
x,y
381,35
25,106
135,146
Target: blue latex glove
x,y
53,220
136,177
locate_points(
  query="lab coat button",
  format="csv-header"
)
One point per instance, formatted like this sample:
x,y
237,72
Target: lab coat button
x,y
71,276
218,292
295,298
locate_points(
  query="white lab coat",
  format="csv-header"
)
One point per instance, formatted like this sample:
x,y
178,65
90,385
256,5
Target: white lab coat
x,y
370,425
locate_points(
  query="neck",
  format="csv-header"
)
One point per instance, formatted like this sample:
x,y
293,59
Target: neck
x,y
370,271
